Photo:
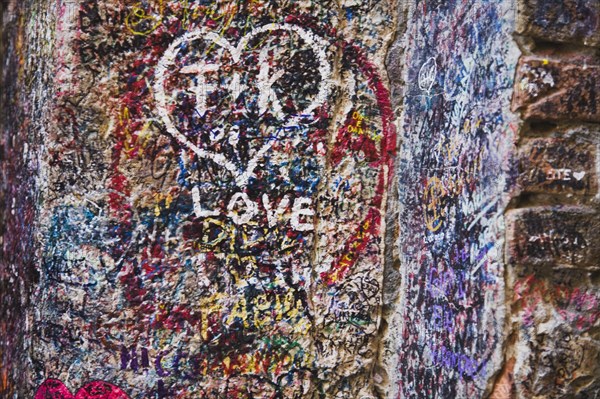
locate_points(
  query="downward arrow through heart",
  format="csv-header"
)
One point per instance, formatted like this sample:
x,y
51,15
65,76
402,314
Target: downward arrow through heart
x,y
55,389
167,62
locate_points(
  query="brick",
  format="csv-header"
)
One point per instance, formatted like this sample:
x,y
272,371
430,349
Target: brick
x,y
554,236
557,166
563,21
558,361
557,89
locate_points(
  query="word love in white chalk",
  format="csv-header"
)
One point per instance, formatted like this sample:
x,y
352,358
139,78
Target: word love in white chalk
x,y
242,210
168,68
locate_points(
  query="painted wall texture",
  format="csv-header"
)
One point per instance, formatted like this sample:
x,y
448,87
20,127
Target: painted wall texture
x,y
210,184
454,179
299,199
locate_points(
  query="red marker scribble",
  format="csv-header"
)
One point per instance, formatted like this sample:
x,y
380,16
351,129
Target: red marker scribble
x,y
353,248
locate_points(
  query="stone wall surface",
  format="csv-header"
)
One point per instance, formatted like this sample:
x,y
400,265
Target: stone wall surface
x,y
211,184
358,199
447,324
552,252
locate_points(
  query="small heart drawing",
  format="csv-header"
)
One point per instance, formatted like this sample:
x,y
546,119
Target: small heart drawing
x,y
167,63
55,389
578,175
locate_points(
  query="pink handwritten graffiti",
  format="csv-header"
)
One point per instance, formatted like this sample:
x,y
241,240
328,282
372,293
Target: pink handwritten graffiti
x,y
55,389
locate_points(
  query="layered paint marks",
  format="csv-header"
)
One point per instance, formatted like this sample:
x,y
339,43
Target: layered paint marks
x,y
27,30
447,326
52,388
212,203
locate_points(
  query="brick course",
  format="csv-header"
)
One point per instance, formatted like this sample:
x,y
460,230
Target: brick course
x,y
558,89
557,166
563,21
554,236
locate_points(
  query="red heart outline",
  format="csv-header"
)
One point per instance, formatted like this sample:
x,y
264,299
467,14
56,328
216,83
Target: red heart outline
x,y
55,389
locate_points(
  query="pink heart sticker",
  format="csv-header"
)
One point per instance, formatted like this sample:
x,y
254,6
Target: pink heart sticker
x,y
55,389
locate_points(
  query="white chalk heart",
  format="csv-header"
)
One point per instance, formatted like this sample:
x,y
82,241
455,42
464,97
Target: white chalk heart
x,y
578,175
167,62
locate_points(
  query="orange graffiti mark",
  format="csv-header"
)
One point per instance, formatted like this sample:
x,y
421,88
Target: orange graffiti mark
x,y
133,137
432,198
357,124
470,127
353,249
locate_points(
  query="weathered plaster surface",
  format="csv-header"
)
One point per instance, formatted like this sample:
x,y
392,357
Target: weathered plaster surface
x,y
213,183
447,325
299,199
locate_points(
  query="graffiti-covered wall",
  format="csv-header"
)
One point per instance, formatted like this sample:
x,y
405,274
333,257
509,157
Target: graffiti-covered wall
x,y
447,321
351,199
213,179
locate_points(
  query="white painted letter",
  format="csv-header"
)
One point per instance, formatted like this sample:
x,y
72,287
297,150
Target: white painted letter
x,y
273,215
198,207
299,210
251,209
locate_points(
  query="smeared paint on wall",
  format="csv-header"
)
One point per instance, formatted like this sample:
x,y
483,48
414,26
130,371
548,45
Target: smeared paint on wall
x,y
448,324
